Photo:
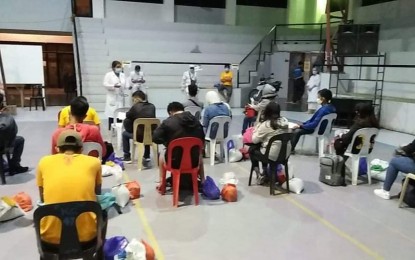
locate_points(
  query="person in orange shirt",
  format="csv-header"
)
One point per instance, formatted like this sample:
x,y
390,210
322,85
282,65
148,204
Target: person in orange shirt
x,y
89,133
226,83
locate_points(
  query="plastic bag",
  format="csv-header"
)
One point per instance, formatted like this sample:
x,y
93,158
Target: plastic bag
x,y
122,195
115,160
296,185
136,250
229,193
115,246
229,178
235,155
210,190
117,172
9,209
247,136
134,189
24,201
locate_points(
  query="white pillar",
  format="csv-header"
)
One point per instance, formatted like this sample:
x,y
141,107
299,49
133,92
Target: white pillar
x,y
230,12
98,9
168,11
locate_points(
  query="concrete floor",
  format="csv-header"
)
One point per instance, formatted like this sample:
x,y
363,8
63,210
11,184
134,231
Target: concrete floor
x,y
321,223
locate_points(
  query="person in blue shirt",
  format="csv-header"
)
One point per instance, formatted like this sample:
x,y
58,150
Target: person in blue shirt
x,y
299,83
215,108
324,99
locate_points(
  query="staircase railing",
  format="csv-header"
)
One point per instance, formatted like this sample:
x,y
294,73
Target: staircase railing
x,y
250,63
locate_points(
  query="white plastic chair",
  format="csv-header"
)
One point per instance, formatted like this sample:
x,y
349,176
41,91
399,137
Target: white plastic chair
x,y
92,146
219,123
194,110
321,133
119,114
368,136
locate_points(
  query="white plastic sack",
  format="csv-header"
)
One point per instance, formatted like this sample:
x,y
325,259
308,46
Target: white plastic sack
x,y
235,155
106,170
122,195
9,209
135,250
117,172
238,141
383,164
380,176
229,178
296,185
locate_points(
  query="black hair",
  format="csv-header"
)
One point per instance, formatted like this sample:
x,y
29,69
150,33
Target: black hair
x,y
192,90
115,64
175,107
71,148
227,66
272,112
365,112
140,94
1,100
83,98
326,94
79,108
137,67
300,63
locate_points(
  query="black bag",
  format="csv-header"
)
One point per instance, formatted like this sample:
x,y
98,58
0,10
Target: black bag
x,y
409,197
331,170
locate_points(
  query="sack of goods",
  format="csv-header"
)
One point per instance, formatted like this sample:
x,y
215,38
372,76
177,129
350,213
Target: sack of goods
x,y
331,170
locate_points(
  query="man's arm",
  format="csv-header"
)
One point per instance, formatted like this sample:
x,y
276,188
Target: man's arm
x,y
159,135
39,180
41,194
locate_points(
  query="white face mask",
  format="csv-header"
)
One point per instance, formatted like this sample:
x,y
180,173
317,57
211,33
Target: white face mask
x,y
227,70
319,101
117,70
314,72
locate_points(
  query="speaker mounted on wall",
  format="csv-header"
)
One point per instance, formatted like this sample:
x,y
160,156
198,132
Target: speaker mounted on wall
x,y
368,39
358,39
347,39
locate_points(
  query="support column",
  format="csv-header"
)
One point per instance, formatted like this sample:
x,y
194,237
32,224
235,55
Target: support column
x,y
230,12
98,9
168,11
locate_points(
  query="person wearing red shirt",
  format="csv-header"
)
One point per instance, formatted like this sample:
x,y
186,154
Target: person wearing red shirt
x,y
89,133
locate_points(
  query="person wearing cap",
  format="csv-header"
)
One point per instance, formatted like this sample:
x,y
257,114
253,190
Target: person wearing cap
x,y
137,80
89,133
69,176
189,78
91,115
215,108
226,83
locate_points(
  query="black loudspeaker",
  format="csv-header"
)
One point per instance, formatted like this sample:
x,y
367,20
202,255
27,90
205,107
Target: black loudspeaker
x,y
347,39
368,39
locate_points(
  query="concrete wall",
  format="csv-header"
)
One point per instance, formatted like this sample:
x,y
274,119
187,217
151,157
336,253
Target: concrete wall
x,y
260,16
42,15
191,14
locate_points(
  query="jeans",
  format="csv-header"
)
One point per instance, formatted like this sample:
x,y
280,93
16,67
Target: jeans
x,y
126,136
228,90
18,146
297,134
247,122
396,165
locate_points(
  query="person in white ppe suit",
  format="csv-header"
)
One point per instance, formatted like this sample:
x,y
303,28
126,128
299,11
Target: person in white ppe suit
x,y
114,82
137,80
313,87
189,78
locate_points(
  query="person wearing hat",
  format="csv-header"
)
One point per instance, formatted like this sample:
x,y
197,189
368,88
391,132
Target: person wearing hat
x,y
66,177
189,78
268,94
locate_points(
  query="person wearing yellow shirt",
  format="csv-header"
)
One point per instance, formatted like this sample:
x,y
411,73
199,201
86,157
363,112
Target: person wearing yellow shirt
x,y
226,83
66,177
91,116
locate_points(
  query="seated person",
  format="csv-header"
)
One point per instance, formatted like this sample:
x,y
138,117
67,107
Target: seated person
x,y
270,124
89,133
404,161
215,108
141,109
179,124
268,94
91,115
66,177
10,139
324,99
193,100
365,117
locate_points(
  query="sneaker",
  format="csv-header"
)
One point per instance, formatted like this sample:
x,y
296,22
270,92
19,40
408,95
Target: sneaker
x,y
382,193
127,159
17,170
146,162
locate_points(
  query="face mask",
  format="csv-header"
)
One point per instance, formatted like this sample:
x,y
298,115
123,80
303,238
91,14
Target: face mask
x,y
314,72
227,70
117,70
319,101
137,71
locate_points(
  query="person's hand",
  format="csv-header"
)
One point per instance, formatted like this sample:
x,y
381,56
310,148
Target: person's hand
x,y
399,151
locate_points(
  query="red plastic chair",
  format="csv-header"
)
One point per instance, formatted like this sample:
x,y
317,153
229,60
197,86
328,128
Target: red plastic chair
x,y
186,144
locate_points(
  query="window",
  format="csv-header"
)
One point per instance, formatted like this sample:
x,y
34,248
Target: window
x,y
264,3
83,8
145,1
374,2
202,3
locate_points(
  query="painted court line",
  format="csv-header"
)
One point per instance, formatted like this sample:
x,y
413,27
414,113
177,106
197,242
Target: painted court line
x,y
328,224
144,221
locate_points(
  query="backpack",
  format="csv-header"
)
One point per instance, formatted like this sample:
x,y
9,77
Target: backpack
x,y
409,197
331,170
